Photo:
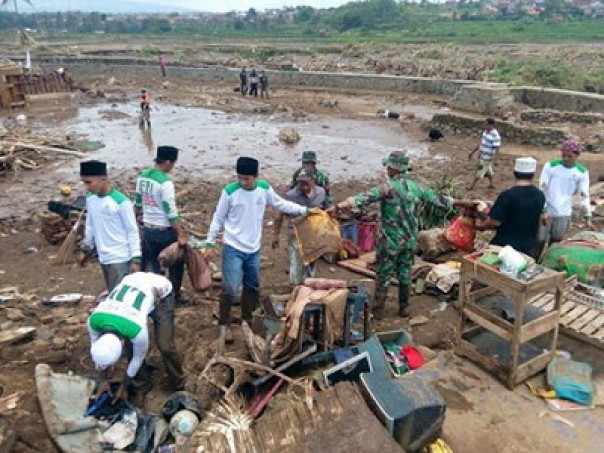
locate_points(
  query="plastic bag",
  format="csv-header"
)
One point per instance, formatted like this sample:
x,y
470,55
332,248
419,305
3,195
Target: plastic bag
x,y
317,235
461,234
571,380
581,258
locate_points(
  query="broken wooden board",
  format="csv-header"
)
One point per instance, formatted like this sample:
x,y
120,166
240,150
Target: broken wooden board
x,y
339,420
11,336
578,318
63,401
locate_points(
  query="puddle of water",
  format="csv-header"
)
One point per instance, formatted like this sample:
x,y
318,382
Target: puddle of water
x,y
210,141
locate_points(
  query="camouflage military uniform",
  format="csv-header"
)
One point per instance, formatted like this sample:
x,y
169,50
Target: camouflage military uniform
x,y
398,198
397,241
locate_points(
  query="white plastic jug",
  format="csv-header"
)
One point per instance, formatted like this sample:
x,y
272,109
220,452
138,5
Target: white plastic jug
x,y
512,261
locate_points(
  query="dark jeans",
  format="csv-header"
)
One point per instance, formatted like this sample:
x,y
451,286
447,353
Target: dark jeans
x,y
254,90
243,88
238,267
163,323
155,241
113,273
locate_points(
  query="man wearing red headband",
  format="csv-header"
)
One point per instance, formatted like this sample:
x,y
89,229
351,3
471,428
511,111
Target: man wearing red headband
x,y
560,180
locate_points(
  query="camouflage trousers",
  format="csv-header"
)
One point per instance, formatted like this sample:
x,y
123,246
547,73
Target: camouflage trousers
x,y
393,264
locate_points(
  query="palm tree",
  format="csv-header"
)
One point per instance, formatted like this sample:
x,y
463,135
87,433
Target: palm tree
x,y
25,40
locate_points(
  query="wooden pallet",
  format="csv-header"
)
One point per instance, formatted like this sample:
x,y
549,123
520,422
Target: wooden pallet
x,y
581,315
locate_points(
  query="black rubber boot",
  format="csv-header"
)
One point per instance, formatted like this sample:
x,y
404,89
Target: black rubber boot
x,y
249,302
403,300
379,301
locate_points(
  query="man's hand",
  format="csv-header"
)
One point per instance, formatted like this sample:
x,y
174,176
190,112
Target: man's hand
x,y
207,250
545,218
314,211
332,210
135,266
81,258
275,243
122,393
105,386
182,240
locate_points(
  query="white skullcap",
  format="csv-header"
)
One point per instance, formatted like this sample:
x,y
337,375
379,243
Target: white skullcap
x,y
525,165
106,351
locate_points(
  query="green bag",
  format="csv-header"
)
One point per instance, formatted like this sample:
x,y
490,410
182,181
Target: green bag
x,y
581,258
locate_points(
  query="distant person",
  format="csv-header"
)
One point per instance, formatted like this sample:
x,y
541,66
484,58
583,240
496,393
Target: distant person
x,y
517,211
263,84
145,108
243,80
560,180
162,66
488,148
254,79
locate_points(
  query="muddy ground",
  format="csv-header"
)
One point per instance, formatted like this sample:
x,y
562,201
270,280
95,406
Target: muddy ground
x,y
482,415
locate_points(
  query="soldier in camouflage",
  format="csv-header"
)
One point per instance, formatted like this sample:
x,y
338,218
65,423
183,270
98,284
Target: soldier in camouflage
x,y
309,160
398,198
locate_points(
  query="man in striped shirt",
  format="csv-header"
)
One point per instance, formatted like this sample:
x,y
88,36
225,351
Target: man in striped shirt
x,y
490,142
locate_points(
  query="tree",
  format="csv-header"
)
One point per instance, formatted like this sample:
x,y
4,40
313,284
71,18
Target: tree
x,y
251,15
25,40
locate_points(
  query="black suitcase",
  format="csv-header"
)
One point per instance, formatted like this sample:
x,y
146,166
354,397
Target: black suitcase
x,y
410,409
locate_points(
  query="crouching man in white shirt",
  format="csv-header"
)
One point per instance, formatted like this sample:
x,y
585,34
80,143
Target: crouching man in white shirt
x,y
122,318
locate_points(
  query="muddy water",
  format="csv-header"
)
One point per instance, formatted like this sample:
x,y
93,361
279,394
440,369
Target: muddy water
x,y
211,140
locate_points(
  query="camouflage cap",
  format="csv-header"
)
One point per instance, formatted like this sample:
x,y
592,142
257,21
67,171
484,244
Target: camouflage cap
x,y
307,174
397,160
309,156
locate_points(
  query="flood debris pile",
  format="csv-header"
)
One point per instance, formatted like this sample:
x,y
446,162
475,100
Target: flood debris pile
x,y
21,148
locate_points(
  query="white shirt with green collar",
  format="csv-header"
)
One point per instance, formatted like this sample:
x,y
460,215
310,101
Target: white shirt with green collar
x,y
155,195
560,183
111,228
241,212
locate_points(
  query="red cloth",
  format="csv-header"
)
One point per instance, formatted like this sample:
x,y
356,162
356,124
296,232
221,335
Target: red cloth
x,y
412,356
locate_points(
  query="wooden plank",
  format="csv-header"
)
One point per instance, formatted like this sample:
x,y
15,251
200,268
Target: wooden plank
x,y
587,317
542,299
582,337
566,307
573,314
482,292
538,327
550,304
467,349
488,321
360,270
532,367
594,325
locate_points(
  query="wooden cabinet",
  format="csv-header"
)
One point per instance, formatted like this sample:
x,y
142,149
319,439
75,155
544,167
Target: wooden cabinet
x,y
519,358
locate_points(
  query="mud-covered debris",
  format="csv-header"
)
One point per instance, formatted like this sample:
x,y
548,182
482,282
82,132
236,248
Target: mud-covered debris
x,y
289,135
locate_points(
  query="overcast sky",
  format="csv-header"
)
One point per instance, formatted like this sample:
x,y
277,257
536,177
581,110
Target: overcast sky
x,y
243,5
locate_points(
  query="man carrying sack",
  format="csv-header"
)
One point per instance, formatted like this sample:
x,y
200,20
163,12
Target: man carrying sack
x,y
156,197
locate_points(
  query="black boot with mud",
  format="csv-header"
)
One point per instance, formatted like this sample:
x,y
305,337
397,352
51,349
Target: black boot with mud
x,y
379,302
403,301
